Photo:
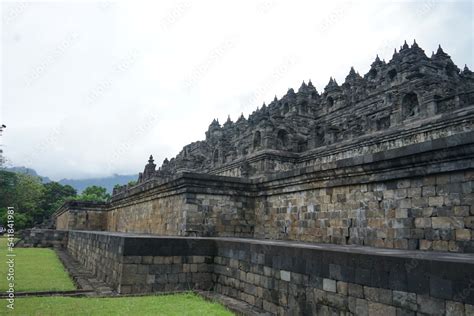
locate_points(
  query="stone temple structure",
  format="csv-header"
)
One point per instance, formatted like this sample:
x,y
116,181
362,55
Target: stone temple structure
x,y
355,200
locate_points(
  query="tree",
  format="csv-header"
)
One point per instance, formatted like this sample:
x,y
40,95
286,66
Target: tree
x,y
55,194
24,193
21,220
8,182
29,195
94,193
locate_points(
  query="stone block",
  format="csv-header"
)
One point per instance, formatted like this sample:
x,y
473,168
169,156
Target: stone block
x,y
422,222
129,268
469,222
147,259
435,201
442,179
377,309
125,289
461,210
463,234
158,260
269,307
469,310
341,287
355,290
414,192
142,269
400,194
296,278
402,212
337,301
426,244
405,312
285,275
454,308
454,246
378,295
428,191
403,184
358,306
447,222
329,285
267,271
430,306
440,245
405,300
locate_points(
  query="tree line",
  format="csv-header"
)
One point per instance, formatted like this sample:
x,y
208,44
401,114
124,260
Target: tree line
x,y
34,201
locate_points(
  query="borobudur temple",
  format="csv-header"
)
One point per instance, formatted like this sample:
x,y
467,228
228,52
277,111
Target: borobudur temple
x,y
354,200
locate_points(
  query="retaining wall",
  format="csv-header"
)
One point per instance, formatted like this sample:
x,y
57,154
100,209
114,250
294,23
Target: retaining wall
x,y
416,197
284,277
43,238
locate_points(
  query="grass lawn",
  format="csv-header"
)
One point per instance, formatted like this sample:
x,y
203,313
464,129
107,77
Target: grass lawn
x,y
178,304
36,269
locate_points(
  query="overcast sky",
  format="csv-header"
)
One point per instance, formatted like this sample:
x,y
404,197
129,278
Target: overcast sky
x,y
92,88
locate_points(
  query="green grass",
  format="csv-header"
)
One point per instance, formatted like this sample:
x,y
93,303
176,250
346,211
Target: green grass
x,y
178,304
39,269
36,269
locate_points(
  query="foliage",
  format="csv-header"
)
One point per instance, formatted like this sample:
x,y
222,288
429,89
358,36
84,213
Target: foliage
x,y
94,193
55,195
24,193
8,182
34,201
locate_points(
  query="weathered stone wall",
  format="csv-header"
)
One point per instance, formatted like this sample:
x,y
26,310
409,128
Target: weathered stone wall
x,y
192,204
62,221
86,219
81,215
43,238
100,253
297,279
166,264
407,198
284,277
162,215
140,265
418,196
429,213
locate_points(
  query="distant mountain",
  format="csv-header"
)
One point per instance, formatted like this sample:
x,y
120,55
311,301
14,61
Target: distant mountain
x,y
28,171
107,182
81,184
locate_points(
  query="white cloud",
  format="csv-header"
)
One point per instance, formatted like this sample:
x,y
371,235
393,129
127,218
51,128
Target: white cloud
x,y
111,79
